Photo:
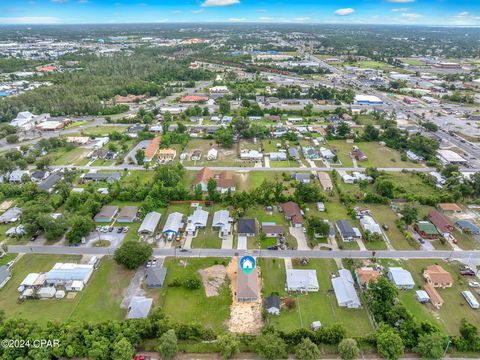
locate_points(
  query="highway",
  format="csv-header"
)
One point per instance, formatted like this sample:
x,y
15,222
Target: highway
x,y
320,254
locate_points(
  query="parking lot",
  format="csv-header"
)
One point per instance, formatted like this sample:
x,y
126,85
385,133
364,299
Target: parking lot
x,y
115,236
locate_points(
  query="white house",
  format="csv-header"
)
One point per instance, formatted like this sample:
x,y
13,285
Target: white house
x,y
278,156
173,225
223,222
344,288
198,220
251,155
401,278
302,280
368,223
212,154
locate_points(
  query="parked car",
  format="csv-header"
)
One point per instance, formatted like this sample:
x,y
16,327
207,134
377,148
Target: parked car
x,y
149,263
154,262
125,229
34,237
385,227
474,284
110,229
119,230
465,271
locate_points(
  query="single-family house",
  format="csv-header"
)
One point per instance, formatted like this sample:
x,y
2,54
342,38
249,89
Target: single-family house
x,y
273,230
358,154
11,215
301,177
39,175
278,156
401,278
109,177
49,183
149,224
223,222
196,155
292,213
438,276
128,214
327,154
164,155
247,285
5,275
106,214
346,178
272,305
310,153
302,280
365,275
467,227
325,181
435,298
155,277
173,225
151,149
450,208
16,176
293,153
198,220
224,180
139,307
344,288
212,154
368,224
251,155
346,231
247,227
441,222
426,230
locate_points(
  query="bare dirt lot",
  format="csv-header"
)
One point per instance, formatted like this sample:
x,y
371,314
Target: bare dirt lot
x,y
213,278
245,317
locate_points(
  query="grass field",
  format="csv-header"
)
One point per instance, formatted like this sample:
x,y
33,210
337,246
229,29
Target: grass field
x,y
283,164
255,178
370,64
187,306
455,307
103,130
65,157
97,302
413,62
321,305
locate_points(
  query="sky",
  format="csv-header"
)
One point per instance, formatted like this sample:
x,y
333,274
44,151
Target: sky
x,y
402,12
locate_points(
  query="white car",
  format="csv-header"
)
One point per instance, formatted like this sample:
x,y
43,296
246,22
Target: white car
x,y
474,284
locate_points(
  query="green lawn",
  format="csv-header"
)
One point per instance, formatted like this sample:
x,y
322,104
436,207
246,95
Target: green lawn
x,y
68,157
256,178
455,307
371,64
313,306
4,260
207,238
383,214
187,306
103,130
99,300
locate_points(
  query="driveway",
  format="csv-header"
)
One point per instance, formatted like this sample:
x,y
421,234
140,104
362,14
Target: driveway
x,y
242,243
298,234
227,242
188,242
114,238
134,288
267,161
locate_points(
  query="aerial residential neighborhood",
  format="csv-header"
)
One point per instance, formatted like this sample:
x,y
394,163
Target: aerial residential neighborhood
x,y
190,186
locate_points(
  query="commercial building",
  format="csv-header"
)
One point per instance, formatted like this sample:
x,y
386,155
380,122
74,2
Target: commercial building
x,y
450,157
367,100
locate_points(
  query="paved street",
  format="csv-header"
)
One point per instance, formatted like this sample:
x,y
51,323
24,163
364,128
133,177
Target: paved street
x,y
321,254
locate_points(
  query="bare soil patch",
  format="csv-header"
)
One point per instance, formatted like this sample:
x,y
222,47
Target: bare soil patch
x,y
213,278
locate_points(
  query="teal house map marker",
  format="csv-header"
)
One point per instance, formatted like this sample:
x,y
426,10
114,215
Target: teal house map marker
x,y
247,263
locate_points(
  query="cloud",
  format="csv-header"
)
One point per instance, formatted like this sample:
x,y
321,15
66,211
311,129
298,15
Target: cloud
x,y
60,1
261,10
265,18
405,9
301,19
212,3
83,1
344,12
197,11
176,11
463,14
237,19
29,20
411,15
399,1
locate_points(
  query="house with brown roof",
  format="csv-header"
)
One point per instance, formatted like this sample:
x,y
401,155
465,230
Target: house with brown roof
x,y
365,275
247,285
194,98
450,208
166,155
358,154
152,148
434,296
441,222
437,276
128,99
223,179
273,230
325,181
292,213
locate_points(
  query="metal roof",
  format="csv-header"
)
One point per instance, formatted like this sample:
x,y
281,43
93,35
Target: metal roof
x,y
150,222
344,288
